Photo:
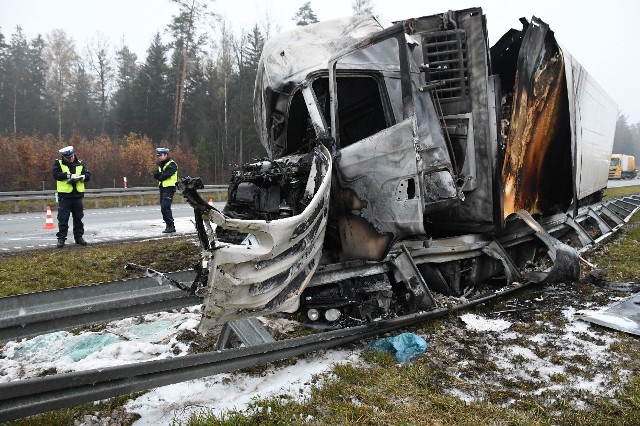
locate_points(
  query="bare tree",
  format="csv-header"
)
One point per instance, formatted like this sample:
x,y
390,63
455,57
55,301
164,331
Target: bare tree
x,y
363,7
266,22
61,58
225,63
99,59
239,51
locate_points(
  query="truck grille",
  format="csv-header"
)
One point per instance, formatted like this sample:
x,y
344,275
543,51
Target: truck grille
x,y
446,62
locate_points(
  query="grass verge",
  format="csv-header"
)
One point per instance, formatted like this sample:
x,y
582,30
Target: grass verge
x,y
75,265
610,193
53,269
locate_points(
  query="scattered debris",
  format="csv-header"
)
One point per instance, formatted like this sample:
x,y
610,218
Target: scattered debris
x,y
404,346
596,277
623,315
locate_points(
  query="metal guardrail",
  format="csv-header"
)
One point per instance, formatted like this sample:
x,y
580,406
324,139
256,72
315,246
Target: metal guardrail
x,y
119,193
46,311
27,397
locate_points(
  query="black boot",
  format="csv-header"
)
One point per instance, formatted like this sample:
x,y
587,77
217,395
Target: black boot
x,y
81,241
169,230
60,243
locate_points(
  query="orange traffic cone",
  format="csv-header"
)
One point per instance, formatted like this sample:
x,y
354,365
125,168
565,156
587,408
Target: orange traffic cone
x,y
49,222
210,202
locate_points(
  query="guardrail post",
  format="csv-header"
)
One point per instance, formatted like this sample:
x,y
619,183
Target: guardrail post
x,y
97,202
119,200
142,200
16,207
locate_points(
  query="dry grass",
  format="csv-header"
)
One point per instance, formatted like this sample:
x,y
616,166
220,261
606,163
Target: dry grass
x,y
51,269
610,193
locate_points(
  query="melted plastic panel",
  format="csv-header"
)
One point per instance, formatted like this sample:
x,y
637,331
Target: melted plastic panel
x,y
537,170
270,269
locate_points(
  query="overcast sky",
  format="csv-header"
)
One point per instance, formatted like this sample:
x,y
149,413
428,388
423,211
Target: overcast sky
x,y
602,36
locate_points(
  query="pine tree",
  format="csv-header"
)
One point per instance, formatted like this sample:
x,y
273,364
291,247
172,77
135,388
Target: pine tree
x,y
305,15
82,110
197,108
4,58
124,108
252,146
16,82
153,94
40,119
362,7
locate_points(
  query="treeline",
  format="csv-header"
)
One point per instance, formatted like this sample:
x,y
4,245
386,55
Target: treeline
x,y
193,94
29,161
627,139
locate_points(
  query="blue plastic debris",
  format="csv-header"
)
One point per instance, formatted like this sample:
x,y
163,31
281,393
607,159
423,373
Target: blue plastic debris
x,y
405,346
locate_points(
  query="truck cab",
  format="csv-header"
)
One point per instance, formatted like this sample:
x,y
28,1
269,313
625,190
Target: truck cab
x,y
615,167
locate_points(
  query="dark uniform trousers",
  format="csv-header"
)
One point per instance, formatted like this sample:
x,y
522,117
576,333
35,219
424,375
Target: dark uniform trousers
x,y
70,206
166,198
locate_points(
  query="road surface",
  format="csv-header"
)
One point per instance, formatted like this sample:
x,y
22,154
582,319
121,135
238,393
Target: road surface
x,y
623,182
25,231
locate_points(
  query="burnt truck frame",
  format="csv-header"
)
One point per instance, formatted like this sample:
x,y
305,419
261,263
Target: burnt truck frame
x,y
406,162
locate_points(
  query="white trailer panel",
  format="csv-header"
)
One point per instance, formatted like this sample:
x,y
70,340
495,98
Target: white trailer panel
x,y
593,124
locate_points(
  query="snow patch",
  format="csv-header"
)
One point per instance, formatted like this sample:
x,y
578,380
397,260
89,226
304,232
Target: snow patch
x,y
478,323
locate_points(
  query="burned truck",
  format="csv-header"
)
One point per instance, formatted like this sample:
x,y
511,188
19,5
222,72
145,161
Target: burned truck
x,y
408,165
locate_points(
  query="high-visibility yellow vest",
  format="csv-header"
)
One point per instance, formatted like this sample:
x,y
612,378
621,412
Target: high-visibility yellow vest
x,y
171,180
65,187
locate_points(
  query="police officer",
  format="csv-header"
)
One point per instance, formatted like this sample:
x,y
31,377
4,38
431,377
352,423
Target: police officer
x,y
70,174
167,176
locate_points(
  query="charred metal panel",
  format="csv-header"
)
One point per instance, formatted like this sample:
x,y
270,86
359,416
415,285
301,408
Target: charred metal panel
x,y
623,315
368,175
269,274
459,129
537,169
290,58
561,127
468,91
387,181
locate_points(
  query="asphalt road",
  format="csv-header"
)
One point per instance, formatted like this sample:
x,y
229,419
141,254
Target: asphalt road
x,y
25,231
623,182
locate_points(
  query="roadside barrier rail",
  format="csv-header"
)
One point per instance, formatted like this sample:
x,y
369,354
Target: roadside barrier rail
x,y
119,193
